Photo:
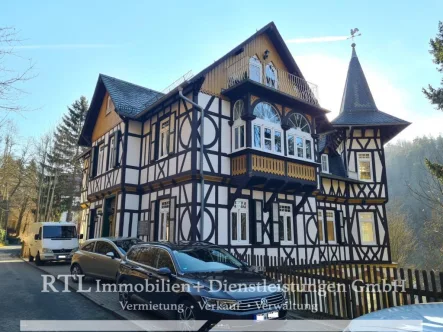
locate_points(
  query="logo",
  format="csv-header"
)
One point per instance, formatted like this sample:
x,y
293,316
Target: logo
x,y
264,302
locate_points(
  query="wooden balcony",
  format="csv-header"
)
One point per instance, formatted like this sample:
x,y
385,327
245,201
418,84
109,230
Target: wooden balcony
x,y
261,170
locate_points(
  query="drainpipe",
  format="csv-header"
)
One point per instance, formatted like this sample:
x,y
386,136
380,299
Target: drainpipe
x,y
202,179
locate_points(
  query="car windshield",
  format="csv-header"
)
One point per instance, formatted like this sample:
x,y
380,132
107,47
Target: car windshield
x,y
59,232
206,260
125,245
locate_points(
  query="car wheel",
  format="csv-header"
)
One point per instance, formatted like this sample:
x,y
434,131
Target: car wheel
x,y
31,258
76,272
124,296
38,261
187,314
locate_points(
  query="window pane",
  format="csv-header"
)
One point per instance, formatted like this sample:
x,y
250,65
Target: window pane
x,y
289,228
242,136
236,138
291,145
281,228
257,136
277,135
243,226
234,226
365,170
320,225
331,235
308,149
299,142
268,133
367,232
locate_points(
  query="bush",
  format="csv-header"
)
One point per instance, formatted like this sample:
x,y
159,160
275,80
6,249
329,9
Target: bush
x,y
2,236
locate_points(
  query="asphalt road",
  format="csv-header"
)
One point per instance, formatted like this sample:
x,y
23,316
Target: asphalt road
x,y
21,297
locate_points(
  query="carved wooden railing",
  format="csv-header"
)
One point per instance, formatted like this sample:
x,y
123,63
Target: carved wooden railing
x,y
273,166
285,82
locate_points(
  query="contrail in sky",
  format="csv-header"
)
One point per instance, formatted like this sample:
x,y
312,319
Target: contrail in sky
x,y
316,39
63,46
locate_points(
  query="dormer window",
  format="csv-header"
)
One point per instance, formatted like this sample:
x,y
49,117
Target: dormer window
x,y
271,76
238,131
267,132
299,139
324,163
109,105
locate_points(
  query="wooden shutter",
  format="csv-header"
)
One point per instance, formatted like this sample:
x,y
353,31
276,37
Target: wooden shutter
x,y
155,139
258,207
115,161
152,218
172,133
275,223
340,227
172,220
93,162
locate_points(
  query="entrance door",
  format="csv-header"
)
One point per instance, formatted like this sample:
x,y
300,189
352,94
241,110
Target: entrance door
x,y
108,217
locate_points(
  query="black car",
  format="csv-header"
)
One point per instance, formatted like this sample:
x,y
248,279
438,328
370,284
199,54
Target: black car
x,y
197,281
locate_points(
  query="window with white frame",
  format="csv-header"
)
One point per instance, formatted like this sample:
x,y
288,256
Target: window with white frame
x,y
238,131
330,224
239,222
320,221
112,152
100,159
286,222
364,164
255,69
325,163
299,139
367,227
164,224
164,138
267,133
109,105
271,76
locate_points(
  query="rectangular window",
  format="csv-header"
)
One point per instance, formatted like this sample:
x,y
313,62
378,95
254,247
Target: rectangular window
x,y
330,222
101,157
308,149
277,141
257,136
299,142
164,225
367,227
236,144
364,166
285,221
324,163
239,137
320,226
164,138
291,150
240,222
112,151
268,139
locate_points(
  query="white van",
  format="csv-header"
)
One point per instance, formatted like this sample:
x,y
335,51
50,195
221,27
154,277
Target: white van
x,y
51,241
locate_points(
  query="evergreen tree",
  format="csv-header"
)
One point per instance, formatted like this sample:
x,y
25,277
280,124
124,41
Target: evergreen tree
x,y
435,95
64,167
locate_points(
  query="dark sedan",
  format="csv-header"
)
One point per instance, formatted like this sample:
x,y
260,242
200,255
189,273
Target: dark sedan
x,y
197,281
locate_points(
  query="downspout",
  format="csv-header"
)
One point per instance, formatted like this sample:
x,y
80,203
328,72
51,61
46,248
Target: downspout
x,y
202,179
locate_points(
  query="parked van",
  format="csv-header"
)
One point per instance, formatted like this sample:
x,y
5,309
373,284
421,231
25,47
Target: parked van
x,y
51,241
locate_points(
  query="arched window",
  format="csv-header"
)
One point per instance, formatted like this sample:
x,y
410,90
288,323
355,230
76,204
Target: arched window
x,y
271,76
299,139
255,69
238,130
267,133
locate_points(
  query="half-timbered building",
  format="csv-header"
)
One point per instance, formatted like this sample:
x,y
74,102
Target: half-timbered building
x,y
280,179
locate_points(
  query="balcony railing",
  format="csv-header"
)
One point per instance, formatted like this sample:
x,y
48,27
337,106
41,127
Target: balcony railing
x,y
273,166
281,80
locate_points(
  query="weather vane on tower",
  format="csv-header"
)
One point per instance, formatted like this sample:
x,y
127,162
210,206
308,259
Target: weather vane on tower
x,y
354,33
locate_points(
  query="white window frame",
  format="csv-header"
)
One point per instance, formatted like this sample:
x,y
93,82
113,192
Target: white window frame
x,y
100,159
304,136
111,150
372,221
331,219
109,105
240,207
164,206
325,163
236,128
365,159
254,61
274,127
320,221
271,67
164,139
285,210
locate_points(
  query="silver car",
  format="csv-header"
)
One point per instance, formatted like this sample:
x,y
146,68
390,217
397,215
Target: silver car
x,y
100,258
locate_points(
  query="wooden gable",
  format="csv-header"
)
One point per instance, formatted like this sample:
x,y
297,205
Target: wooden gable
x,y
105,122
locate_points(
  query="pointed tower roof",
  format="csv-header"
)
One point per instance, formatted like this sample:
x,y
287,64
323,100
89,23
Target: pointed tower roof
x,y
358,107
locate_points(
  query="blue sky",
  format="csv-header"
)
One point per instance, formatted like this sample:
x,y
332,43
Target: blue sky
x,y
154,43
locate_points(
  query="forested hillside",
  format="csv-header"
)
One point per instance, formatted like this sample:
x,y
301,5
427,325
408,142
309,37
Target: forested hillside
x,y
416,197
